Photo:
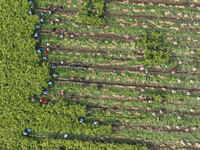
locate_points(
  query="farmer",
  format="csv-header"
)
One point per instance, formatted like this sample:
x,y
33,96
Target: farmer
x,y
51,12
57,20
79,63
81,119
61,7
42,20
144,101
95,122
38,40
99,87
45,92
30,12
51,22
36,34
55,8
141,96
73,78
50,83
142,68
46,52
102,139
73,67
39,51
61,36
65,135
89,111
54,30
33,99
55,75
47,100
48,48
71,95
28,130
103,111
48,44
82,78
71,35
42,99
63,29
114,71
62,93
42,13
44,57
31,2
37,26
53,67
174,69
25,133
56,46
85,84
116,123
150,101
49,7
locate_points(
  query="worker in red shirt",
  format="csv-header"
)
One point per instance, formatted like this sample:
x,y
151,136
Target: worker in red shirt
x,y
47,100
42,99
62,93
73,78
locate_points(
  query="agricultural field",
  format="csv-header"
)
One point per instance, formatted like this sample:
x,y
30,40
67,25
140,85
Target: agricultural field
x,y
129,99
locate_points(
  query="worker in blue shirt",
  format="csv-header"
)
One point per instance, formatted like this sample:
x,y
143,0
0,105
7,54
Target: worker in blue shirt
x,y
53,67
42,20
39,51
31,2
50,83
55,75
44,57
37,26
45,92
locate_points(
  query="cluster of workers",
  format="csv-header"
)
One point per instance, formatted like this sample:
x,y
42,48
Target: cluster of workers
x,y
144,99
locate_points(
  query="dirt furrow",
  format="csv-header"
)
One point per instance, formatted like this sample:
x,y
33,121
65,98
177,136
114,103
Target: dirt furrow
x,y
130,84
103,36
125,68
185,4
108,15
131,24
106,51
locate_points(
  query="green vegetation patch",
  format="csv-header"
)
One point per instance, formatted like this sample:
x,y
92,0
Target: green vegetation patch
x,y
22,73
92,12
155,51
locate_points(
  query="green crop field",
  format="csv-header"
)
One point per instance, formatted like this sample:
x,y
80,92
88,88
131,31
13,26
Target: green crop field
x,y
105,77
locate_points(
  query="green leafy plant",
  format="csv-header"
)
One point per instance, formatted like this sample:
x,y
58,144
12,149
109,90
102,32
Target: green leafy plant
x,y
198,54
155,98
155,51
92,12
